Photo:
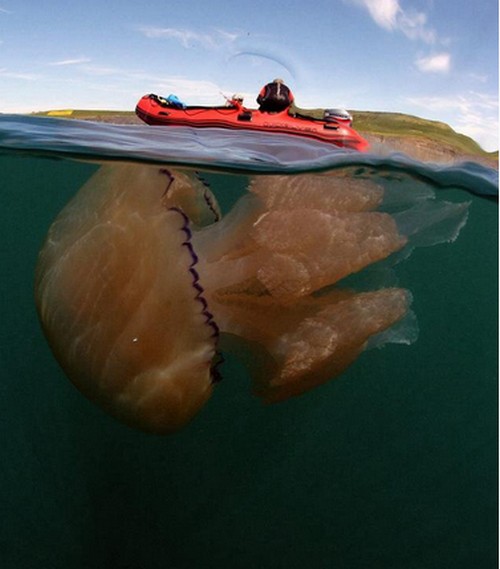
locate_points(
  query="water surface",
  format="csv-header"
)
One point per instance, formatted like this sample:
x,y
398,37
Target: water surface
x,y
391,465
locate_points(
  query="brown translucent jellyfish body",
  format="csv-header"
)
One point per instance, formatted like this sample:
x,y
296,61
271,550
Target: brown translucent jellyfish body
x,y
140,283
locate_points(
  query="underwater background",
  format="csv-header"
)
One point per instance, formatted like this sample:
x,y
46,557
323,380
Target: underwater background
x,y
391,465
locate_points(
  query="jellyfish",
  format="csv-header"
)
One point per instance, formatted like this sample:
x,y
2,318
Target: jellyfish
x,y
141,284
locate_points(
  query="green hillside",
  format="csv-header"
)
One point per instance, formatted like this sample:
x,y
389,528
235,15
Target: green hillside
x,y
398,124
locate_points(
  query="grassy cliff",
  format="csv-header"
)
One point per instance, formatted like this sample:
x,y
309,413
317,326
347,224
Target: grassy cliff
x,y
398,124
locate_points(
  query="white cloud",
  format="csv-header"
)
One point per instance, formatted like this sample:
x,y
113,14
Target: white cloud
x,y
463,103
18,75
414,26
192,91
103,70
76,61
389,15
438,63
478,78
190,38
473,114
383,12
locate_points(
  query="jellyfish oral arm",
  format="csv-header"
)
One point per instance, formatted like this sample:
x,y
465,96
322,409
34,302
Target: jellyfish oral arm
x,y
264,264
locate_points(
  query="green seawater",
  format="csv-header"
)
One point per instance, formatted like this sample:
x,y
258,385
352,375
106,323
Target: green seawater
x,y
392,466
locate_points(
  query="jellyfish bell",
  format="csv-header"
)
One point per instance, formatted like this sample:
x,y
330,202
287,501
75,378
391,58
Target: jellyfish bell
x,y
120,303
140,283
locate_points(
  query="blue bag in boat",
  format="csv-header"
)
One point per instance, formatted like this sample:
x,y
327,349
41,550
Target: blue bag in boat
x,y
174,101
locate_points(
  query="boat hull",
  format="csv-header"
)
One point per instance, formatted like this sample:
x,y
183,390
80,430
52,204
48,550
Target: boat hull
x,y
155,111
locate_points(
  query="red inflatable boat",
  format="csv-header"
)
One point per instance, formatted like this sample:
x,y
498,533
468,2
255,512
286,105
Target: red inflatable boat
x,y
334,127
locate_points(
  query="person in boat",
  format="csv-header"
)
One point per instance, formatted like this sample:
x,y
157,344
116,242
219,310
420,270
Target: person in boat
x,y
275,97
235,101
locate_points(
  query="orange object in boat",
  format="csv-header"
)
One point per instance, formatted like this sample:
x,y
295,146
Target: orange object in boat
x,y
334,128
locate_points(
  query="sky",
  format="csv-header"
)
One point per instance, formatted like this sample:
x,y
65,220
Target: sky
x,y
436,59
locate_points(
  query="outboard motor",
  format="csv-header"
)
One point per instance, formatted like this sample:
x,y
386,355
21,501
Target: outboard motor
x,y
337,115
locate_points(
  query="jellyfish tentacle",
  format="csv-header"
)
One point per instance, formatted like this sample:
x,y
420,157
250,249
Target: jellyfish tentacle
x,y
326,192
325,344
349,242
260,283
309,342
294,253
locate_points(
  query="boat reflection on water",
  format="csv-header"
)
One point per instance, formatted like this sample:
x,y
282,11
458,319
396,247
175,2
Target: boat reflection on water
x,y
141,283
